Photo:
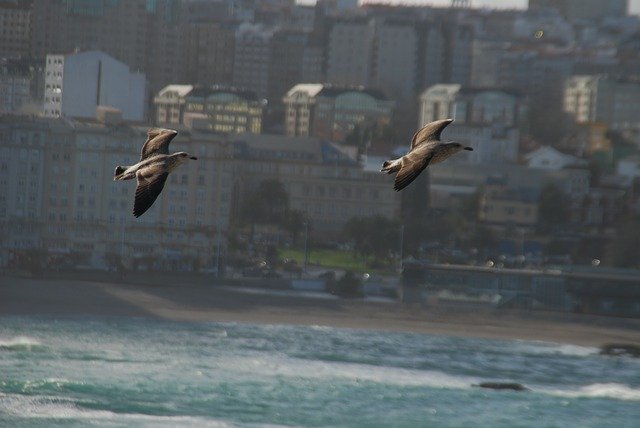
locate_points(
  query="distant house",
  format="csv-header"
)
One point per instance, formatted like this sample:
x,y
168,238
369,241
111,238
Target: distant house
x,y
546,157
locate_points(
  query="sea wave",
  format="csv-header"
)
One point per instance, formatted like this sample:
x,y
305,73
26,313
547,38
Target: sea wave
x,y
544,348
20,343
16,406
613,390
330,370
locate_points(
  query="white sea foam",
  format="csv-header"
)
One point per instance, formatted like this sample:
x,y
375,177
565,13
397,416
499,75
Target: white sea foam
x,y
545,348
50,407
19,343
616,391
331,370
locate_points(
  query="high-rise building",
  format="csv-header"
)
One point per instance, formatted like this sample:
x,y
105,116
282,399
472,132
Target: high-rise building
x,y
253,46
145,35
76,84
395,59
349,51
211,53
15,28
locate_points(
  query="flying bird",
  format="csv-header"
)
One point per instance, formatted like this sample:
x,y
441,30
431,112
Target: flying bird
x,y
153,169
426,148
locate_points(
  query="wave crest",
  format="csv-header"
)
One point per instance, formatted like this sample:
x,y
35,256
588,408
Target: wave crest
x,y
20,343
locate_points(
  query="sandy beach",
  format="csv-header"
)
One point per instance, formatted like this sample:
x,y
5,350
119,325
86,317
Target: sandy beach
x,y
198,303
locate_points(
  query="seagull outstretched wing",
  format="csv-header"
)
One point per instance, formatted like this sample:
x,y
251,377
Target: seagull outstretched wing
x,y
430,132
157,142
150,184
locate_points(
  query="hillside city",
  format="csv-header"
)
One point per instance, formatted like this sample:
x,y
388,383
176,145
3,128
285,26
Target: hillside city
x,y
292,108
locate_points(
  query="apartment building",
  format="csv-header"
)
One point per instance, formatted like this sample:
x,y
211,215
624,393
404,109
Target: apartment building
x,y
219,109
332,112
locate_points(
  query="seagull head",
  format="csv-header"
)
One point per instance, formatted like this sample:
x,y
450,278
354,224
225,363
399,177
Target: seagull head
x,y
184,156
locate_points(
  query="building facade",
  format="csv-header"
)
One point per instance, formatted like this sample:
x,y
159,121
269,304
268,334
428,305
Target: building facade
x,y
597,98
57,192
75,85
487,119
332,112
15,28
222,110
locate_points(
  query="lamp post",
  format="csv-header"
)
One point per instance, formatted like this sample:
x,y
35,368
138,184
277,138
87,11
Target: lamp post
x,y
401,244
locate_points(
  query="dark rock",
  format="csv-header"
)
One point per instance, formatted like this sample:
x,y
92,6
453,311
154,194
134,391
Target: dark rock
x,y
620,349
502,385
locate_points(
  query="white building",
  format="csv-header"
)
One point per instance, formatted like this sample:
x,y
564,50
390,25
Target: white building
x,y
603,99
76,84
486,119
547,157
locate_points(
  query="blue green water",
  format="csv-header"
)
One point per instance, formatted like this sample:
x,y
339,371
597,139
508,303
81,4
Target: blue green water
x,y
138,372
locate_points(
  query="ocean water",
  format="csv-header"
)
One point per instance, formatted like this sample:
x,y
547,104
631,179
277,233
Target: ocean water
x,y
138,372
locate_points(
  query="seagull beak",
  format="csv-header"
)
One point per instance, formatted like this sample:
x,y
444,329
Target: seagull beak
x,y
193,157
469,149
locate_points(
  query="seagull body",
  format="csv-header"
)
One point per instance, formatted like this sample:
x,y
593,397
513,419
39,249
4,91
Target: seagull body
x,y
426,148
153,169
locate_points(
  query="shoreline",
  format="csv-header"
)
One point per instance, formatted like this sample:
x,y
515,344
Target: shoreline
x,y
201,303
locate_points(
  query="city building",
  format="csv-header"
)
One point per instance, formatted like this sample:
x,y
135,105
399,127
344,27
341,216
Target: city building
x,y
350,51
547,157
502,205
604,99
332,112
251,58
575,10
15,28
145,35
57,192
76,84
211,53
296,56
324,183
224,110
487,119
395,59
15,87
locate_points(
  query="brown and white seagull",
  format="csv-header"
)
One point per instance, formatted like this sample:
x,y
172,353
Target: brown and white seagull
x,y
153,169
426,148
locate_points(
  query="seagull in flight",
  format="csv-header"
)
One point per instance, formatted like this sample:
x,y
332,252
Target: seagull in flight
x,y
153,169
426,148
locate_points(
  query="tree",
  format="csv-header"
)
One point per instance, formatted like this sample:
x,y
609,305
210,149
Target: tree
x,y
267,204
293,223
623,250
373,236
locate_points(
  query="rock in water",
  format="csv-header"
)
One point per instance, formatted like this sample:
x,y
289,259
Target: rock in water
x,y
620,349
502,385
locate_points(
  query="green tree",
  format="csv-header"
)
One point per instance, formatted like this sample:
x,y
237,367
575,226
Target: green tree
x,y
293,223
376,236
